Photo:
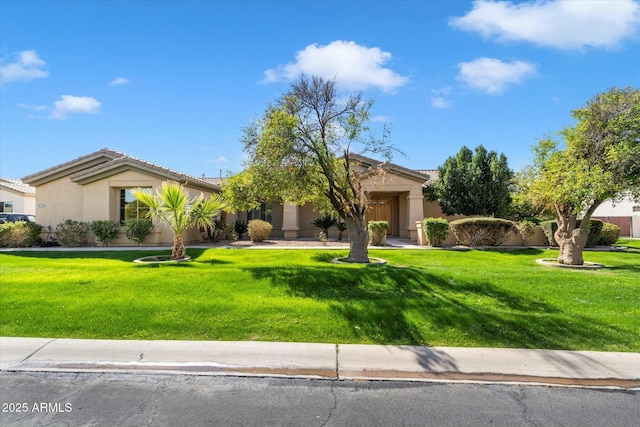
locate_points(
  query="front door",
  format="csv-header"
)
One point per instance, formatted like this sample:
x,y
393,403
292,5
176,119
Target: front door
x,y
380,210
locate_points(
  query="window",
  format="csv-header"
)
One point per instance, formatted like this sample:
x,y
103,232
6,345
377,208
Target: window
x,y
263,212
130,207
6,206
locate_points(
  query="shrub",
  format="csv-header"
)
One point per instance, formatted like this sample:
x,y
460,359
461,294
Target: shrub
x,y
526,229
325,222
72,233
259,230
19,234
240,227
609,235
378,233
342,227
230,232
549,228
436,230
593,229
137,229
482,231
105,230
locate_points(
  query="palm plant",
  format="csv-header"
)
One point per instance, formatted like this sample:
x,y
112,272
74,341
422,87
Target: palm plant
x,y
172,205
325,222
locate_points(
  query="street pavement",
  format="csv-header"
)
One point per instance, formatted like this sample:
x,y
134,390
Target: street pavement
x,y
323,361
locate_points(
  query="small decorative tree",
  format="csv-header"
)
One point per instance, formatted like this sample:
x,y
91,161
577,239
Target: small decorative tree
x,y
106,231
436,230
173,206
138,229
325,222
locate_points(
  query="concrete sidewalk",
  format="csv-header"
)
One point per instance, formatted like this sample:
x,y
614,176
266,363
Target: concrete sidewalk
x,y
323,361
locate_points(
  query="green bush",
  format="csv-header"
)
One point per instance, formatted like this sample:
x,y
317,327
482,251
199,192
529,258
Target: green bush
x,y
593,229
436,230
105,230
325,222
240,227
378,233
549,228
137,229
259,230
72,233
609,235
342,227
20,234
482,231
526,229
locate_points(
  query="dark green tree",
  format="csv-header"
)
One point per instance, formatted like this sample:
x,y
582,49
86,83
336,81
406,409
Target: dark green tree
x,y
473,183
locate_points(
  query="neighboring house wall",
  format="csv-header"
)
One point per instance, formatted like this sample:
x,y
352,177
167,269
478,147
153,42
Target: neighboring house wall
x,y
17,202
15,196
625,214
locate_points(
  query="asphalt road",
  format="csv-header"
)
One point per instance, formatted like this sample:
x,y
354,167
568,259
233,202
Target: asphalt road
x,y
65,399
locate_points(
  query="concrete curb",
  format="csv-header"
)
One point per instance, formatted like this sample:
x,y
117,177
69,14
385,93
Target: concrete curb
x,y
323,361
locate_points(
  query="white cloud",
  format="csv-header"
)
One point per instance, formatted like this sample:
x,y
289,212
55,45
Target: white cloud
x,y
28,66
439,102
492,75
381,119
33,107
558,23
219,160
69,104
119,81
446,90
352,65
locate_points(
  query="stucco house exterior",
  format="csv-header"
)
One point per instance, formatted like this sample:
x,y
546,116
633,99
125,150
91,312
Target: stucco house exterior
x,y
17,197
97,187
394,196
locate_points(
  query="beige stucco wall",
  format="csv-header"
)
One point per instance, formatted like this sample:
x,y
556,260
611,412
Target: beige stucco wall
x,y
57,201
22,203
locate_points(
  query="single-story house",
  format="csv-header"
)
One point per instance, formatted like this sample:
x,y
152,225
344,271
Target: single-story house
x,y
97,187
17,197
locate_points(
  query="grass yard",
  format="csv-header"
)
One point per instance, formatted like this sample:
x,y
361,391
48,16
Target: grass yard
x,y
469,298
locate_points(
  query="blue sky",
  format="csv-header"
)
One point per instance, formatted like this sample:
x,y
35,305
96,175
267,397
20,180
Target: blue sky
x,y
174,82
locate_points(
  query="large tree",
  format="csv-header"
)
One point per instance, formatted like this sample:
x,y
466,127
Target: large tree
x,y
473,183
596,160
301,149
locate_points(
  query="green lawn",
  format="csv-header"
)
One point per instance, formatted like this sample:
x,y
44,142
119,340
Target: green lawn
x,y
469,298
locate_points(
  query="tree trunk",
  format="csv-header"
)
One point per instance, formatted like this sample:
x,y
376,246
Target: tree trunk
x,y
358,239
178,251
571,240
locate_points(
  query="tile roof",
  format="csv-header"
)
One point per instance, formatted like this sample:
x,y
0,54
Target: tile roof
x,y
107,161
17,186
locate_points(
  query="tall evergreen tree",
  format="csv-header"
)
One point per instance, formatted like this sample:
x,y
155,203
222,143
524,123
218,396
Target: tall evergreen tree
x,y
473,183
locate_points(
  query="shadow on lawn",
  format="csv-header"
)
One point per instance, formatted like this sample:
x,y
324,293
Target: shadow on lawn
x,y
115,254
403,306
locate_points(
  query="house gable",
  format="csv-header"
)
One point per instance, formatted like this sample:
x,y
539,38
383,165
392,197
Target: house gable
x,y
71,167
